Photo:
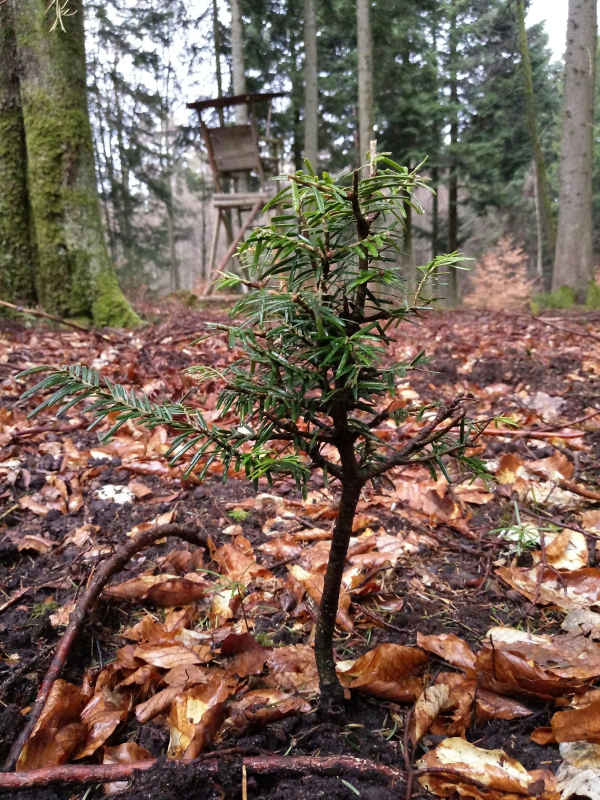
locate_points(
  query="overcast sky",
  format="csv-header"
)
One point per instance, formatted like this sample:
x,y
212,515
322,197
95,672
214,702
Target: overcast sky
x,y
554,13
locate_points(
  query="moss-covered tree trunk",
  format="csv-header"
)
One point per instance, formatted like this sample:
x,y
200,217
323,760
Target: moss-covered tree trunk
x,y
17,253
74,275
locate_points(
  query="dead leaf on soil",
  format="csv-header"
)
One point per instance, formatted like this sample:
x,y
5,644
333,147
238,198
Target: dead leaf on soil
x,y
59,730
579,773
163,590
195,717
101,715
262,706
450,647
313,585
126,753
389,671
292,668
171,655
544,666
566,550
502,776
429,704
566,589
579,724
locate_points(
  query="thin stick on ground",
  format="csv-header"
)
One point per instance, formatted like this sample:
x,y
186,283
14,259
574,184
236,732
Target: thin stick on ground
x,y
115,563
36,312
206,765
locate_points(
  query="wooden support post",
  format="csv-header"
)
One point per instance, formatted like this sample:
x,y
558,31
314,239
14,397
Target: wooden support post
x,y
232,248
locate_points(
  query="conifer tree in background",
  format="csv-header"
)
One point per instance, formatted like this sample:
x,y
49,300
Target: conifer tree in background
x,y
73,275
573,262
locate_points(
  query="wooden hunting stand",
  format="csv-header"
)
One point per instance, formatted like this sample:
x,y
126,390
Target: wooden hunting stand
x,y
240,167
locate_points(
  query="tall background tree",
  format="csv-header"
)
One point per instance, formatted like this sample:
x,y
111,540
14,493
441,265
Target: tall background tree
x,y
17,249
573,263
73,273
364,46
311,89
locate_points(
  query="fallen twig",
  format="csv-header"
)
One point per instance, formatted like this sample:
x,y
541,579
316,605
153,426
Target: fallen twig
x,y
35,312
115,563
585,334
207,765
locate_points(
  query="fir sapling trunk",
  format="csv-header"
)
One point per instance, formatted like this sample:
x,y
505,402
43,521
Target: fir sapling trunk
x,y
331,690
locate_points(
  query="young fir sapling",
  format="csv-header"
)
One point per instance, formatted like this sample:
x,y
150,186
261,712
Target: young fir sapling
x,y
324,294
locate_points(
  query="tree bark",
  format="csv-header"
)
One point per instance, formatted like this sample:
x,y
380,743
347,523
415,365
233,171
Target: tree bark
x,y
217,45
365,78
542,192
331,691
311,92
237,61
17,249
453,167
75,276
573,262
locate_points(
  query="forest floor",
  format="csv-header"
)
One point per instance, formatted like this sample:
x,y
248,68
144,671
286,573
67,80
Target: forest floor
x,y
220,632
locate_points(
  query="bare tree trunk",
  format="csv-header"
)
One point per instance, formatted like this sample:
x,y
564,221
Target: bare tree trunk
x,y
217,45
453,167
311,91
365,78
573,262
239,77
542,193
237,60
539,228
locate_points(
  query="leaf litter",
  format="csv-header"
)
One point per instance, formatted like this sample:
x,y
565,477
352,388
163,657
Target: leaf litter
x,y
449,638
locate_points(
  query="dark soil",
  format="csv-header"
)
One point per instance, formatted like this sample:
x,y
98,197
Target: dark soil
x,y
506,350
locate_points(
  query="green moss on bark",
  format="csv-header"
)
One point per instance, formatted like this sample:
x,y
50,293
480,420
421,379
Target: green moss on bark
x,y
75,276
110,307
17,255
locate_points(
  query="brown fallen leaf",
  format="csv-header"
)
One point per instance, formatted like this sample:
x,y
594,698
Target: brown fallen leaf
x,y
389,671
101,716
293,668
429,704
455,717
502,776
262,706
164,590
539,665
566,589
196,715
313,585
248,655
59,730
579,724
125,753
172,655
37,543
566,550
490,705
236,560
450,647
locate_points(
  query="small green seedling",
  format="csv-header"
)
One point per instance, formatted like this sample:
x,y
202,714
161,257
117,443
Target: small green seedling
x,y
238,514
